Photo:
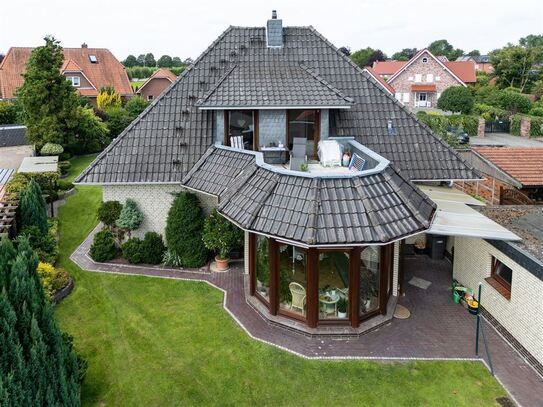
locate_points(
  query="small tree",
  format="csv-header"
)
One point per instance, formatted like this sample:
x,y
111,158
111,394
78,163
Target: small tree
x,y
109,212
103,246
92,132
51,149
514,102
32,207
221,235
456,99
184,231
130,217
117,120
135,106
130,61
108,98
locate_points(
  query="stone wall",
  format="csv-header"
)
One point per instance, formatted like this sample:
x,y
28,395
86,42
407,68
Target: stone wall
x,y
522,315
154,201
440,77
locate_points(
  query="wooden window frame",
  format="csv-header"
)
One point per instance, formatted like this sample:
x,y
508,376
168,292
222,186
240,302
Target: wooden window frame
x,y
226,138
498,282
316,133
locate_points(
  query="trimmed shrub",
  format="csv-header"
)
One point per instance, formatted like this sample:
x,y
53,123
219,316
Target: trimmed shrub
x,y
184,231
44,244
221,235
457,99
64,185
20,181
103,246
536,111
32,207
536,125
64,167
514,102
53,279
109,212
51,149
108,98
152,248
130,217
132,250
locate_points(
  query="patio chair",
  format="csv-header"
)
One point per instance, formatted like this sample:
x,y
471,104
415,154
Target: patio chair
x,y
298,155
237,142
357,163
297,291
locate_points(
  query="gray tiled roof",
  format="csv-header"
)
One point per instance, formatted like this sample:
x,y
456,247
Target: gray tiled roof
x,y
273,83
13,135
374,208
169,137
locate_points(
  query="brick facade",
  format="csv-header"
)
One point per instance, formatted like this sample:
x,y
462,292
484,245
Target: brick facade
x,y
489,189
522,315
154,87
154,201
420,73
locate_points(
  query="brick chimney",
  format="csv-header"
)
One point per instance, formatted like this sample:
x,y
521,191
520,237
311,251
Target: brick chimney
x,y
84,45
274,32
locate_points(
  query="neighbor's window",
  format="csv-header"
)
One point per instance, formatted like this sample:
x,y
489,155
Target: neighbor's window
x,y
501,277
149,98
75,80
424,60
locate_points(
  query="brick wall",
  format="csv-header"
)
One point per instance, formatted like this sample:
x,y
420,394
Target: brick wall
x,y
154,201
522,315
489,189
402,83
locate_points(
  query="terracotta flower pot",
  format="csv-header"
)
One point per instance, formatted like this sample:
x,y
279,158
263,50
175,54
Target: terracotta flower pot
x,y
222,264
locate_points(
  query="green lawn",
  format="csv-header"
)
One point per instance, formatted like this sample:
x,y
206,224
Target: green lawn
x,y
158,342
78,165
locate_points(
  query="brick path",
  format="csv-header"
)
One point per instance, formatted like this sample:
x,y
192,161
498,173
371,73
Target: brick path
x,y
437,328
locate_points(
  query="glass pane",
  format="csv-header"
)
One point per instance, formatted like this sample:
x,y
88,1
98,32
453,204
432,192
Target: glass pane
x,y
301,123
241,125
292,279
333,284
369,279
504,272
262,267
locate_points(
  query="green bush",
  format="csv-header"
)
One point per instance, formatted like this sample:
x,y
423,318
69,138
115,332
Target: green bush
x,y
152,248
103,246
64,167
130,217
51,149
178,70
135,106
132,250
44,244
184,231
64,185
117,120
466,122
8,112
488,112
536,125
489,95
514,102
20,180
440,123
536,111
221,235
457,99
32,207
109,212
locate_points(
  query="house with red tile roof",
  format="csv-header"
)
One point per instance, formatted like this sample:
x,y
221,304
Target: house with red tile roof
x,y
513,175
419,82
156,84
379,79
88,69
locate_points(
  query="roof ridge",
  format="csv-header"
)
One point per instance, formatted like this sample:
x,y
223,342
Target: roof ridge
x,y
326,83
121,136
359,186
313,215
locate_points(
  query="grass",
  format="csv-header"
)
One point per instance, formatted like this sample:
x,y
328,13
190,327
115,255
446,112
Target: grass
x,y
78,165
164,342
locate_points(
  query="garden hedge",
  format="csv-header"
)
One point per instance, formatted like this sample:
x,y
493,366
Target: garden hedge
x,y
536,125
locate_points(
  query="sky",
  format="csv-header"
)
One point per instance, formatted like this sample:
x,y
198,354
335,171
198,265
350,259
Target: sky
x,y
186,28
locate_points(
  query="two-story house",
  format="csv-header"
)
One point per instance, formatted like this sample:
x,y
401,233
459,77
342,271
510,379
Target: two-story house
x,y
259,127
88,69
419,82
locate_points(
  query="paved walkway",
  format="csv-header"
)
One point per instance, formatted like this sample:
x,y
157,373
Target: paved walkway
x,y
437,329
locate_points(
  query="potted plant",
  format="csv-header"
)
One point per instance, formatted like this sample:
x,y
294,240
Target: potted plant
x,y
220,235
420,246
342,308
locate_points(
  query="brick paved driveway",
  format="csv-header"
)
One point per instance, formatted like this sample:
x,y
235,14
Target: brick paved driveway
x,y
437,328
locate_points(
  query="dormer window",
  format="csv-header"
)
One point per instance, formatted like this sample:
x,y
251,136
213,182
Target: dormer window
x,y
93,59
75,81
424,60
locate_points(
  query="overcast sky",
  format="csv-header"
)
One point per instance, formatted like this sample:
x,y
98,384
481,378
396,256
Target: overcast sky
x,y
186,28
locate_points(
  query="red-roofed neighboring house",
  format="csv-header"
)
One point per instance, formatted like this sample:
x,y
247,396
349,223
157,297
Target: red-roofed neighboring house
x,y
88,69
419,82
380,80
156,84
514,175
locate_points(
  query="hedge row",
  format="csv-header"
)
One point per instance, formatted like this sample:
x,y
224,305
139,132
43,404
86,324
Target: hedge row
x,y
440,123
536,127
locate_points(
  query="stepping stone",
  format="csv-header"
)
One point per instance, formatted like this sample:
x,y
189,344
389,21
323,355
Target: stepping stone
x,y
401,312
420,283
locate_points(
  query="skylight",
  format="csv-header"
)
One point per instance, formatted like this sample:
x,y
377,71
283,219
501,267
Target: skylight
x,y
93,59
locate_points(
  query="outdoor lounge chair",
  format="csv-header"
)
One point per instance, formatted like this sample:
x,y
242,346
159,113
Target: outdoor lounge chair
x,y
298,155
237,142
297,291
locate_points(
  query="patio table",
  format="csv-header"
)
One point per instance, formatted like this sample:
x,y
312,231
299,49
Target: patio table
x,y
329,306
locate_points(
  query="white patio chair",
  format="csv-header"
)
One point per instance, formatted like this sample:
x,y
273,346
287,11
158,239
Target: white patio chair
x,y
297,291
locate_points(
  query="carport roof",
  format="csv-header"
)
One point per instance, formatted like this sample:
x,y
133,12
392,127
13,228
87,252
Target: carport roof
x,y
455,216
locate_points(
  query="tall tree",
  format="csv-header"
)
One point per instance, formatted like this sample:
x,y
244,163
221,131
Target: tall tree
x,y
376,55
165,61
130,61
513,66
532,41
474,53
47,99
150,60
141,60
32,207
443,47
405,54
176,62
362,56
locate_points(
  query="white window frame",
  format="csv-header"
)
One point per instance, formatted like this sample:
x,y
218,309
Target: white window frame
x,y
438,78
419,99
149,98
418,77
75,80
430,77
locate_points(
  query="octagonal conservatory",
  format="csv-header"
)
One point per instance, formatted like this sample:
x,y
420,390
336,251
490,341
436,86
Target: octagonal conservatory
x,y
321,241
